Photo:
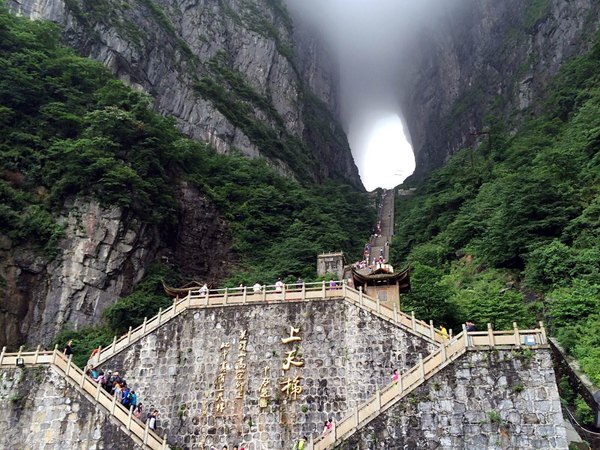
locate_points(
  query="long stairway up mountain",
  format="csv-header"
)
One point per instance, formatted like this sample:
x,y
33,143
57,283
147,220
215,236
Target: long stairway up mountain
x,y
385,227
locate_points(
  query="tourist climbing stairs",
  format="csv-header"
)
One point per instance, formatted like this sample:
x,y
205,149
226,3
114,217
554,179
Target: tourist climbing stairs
x,y
220,298
425,369
138,431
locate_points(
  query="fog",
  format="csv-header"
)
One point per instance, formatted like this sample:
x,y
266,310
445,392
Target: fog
x,y
369,40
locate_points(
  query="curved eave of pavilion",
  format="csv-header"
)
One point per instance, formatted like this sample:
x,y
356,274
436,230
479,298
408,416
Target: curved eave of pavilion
x,y
380,276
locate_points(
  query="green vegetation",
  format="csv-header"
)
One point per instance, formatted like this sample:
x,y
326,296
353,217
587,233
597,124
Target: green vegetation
x,y
237,100
514,234
535,11
69,129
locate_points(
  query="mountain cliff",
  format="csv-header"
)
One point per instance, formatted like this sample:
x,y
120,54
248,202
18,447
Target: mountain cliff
x,y
226,71
482,59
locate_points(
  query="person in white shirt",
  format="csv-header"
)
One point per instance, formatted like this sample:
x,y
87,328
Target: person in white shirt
x,y
257,287
279,285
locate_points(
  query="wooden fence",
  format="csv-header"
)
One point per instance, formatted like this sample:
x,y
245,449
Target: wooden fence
x,y
425,369
137,430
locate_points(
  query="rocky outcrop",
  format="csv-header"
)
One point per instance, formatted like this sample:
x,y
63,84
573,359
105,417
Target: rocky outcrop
x,y
203,241
487,57
224,70
102,256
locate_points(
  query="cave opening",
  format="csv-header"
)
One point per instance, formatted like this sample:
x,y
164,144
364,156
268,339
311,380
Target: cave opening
x,y
382,149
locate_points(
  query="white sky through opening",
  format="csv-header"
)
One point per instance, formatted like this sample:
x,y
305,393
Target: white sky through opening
x,y
386,155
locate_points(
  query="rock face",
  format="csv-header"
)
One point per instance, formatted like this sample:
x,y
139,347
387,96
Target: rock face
x,y
487,57
42,411
225,70
102,256
485,400
203,241
185,367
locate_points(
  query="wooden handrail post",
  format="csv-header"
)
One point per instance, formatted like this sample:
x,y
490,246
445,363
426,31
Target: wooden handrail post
x,y
444,353
159,315
37,353
206,297
129,335
189,299
395,313
164,444
54,353
114,405
114,344
378,399
400,385
378,302
144,325
175,300
491,335
129,418
225,296
431,330
283,292
413,321
145,439
421,367
19,352
99,353
81,380
264,293
323,289
344,288
450,333
517,337
543,333
2,354
466,335
311,442
244,295
356,416
68,369
360,295
304,293
97,396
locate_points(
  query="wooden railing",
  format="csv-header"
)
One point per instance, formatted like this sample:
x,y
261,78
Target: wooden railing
x,y
268,295
424,370
139,432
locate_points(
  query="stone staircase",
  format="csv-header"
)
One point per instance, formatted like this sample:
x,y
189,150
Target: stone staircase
x,y
139,432
294,293
448,352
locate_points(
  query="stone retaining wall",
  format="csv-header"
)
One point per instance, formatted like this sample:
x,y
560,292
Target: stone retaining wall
x,y
497,399
40,410
346,352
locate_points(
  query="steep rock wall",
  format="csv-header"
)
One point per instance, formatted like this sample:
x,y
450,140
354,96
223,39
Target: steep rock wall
x,y
103,255
346,351
225,70
40,410
486,57
501,399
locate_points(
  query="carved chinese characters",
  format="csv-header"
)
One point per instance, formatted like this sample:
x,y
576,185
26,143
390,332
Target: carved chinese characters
x,y
240,366
290,385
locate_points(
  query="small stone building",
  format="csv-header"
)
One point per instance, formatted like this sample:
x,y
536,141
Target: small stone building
x,y
331,263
